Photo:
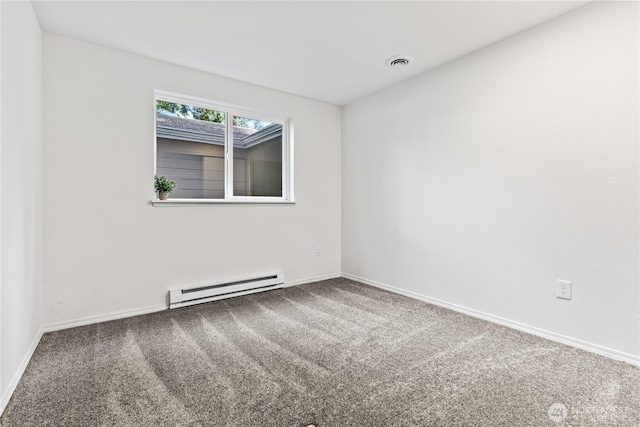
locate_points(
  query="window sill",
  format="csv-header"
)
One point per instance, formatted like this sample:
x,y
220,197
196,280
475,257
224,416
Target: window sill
x,y
201,202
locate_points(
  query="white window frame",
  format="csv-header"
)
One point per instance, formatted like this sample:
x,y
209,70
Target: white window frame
x,y
231,110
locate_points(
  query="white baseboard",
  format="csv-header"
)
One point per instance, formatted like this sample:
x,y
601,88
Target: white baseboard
x,y
4,400
574,342
563,339
103,318
313,279
152,309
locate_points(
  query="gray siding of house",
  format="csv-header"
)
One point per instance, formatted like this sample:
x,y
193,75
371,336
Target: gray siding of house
x,y
264,169
198,168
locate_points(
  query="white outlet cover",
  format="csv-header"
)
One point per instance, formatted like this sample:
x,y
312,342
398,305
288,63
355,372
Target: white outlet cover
x,y
563,289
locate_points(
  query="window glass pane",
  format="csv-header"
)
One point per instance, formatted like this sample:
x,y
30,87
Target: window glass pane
x,y
190,149
257,158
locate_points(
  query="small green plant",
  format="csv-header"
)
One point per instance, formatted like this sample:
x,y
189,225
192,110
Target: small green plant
x,y
163,185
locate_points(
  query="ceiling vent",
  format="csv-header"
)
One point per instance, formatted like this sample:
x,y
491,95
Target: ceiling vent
x,y
399,61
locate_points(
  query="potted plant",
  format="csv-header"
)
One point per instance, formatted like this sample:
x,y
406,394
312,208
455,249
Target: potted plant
x,y
163,186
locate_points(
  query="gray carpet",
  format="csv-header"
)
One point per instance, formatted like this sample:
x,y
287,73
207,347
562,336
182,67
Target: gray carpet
x,y
333,353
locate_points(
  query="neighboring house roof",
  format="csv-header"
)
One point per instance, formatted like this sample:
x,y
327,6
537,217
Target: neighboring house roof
x,y
184,129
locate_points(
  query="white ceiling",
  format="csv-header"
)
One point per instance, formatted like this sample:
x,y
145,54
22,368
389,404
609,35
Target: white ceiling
x,y
329,51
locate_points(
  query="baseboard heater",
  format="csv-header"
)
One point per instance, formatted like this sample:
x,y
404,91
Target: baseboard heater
x,y
225,289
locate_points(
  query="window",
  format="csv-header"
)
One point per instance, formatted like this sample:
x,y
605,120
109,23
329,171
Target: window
x,y
222,153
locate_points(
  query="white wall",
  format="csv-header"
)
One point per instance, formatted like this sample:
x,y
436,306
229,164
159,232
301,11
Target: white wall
x,y
21,191
107,250
483,181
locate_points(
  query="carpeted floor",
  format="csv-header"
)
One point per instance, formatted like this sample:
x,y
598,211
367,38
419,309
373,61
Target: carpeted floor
x,y
333,353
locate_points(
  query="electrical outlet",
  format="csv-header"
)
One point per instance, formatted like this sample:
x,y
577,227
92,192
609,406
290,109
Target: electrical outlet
x,y
563,289
318,251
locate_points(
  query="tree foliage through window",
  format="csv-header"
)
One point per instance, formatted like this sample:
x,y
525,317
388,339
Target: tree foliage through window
x,y
197,113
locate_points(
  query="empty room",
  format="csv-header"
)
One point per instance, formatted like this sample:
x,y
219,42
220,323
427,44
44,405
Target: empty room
x,y
319,213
